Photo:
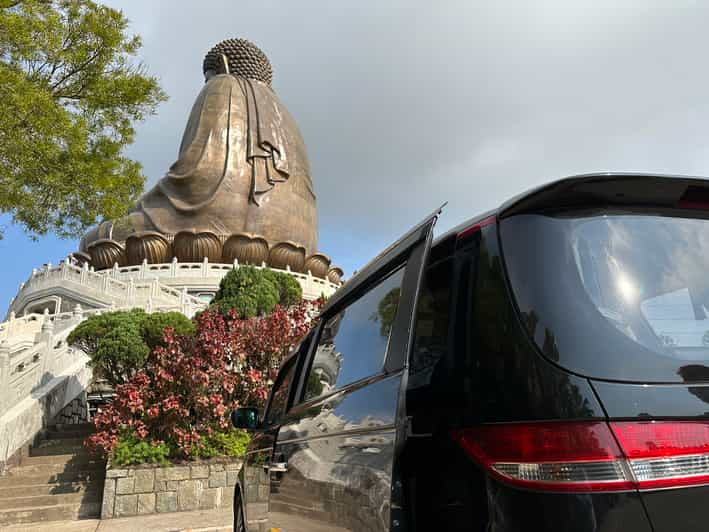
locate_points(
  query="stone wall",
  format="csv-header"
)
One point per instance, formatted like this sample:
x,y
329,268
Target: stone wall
x,y
73,413
21,425
140,490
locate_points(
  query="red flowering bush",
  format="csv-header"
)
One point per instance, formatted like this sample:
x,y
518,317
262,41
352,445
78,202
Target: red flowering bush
x,y
183,396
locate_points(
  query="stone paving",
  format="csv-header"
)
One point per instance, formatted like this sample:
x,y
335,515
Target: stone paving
x,y
220,520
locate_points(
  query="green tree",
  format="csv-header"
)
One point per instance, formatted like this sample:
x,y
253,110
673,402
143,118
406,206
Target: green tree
x,y
118,343
71,92
254,292
153,327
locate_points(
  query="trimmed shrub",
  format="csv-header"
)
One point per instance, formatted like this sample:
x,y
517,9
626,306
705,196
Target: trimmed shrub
x,y
289,290
114,343
154,325
118,343
253,292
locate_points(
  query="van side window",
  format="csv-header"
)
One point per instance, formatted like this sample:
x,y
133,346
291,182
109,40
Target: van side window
x,y
431,332
279,396
353,343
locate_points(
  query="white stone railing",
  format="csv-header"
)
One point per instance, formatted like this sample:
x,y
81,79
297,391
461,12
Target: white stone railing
x,y
33,350
181,273
40,373
105,289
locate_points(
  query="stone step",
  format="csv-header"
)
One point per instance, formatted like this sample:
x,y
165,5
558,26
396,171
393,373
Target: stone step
x,y
69,431
49,500
69,460
60,427
55,447
55,512
77,440
32,490
33,475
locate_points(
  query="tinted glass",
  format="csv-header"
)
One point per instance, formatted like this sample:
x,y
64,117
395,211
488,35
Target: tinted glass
x,y
279,399
614,296
431,333
354,342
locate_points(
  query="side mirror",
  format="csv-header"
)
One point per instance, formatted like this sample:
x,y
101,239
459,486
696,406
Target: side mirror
x,y
245,418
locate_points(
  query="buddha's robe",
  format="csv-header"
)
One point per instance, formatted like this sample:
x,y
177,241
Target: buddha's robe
x,y
242,168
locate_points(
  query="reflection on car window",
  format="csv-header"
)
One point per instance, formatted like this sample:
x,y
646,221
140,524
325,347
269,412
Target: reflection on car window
x,y
432,322
280,393
353,343
652,264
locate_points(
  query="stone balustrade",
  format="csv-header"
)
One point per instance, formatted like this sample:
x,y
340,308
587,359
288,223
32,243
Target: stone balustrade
x,y
97,289
147,285
206,276
40,373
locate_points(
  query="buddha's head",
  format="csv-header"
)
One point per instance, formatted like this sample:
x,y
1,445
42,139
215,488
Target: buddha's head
x,y
239,57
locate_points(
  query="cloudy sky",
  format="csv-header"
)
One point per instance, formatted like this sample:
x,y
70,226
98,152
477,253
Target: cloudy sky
x,y
405,105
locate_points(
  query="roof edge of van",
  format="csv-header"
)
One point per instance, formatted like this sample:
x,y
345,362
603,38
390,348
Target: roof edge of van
x,y
612,189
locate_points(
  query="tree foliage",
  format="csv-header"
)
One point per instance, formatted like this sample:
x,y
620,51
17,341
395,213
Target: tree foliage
x,y
71,92
255,292
118,343
183,395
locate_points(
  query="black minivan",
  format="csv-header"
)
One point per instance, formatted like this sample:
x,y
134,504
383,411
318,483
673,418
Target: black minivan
x,y
541,367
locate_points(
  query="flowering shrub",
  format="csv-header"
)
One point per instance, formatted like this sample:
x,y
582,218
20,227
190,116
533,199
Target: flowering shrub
x,y
183,395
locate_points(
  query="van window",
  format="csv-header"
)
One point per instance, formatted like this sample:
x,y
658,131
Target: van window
x,y
279,395
431,331
614,296
353,343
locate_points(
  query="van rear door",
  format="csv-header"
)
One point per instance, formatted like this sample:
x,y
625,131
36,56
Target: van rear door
x,y
337,450
610,278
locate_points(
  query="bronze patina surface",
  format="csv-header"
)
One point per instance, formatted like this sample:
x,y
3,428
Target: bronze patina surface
x,y
242,177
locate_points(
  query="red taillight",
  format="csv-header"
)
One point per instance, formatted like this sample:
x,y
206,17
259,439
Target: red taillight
x,y
554,456
665,453
592,456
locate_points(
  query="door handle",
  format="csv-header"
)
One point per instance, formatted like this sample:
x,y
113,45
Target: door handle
x,y
276,467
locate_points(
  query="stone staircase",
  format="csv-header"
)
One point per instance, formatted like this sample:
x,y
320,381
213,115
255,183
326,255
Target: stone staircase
x,y
58,480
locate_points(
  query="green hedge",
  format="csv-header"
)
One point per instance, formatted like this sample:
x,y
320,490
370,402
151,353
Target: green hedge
x,y
254,292
118,343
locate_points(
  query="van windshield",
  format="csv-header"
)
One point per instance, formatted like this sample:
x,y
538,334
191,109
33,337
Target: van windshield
x,y
614,296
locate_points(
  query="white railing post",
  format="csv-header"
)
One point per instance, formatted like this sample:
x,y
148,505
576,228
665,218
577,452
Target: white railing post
x,y
184,301
131,291
4,375
11,323
84,273
173,267
78,313
143,268
205,267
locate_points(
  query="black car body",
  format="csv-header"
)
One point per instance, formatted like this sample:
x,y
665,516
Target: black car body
x,y
540,367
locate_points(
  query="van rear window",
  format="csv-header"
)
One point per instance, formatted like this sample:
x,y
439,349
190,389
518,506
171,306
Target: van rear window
x,y
614,296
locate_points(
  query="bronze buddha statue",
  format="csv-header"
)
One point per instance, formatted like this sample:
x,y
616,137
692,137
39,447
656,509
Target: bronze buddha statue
x,y
240,188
